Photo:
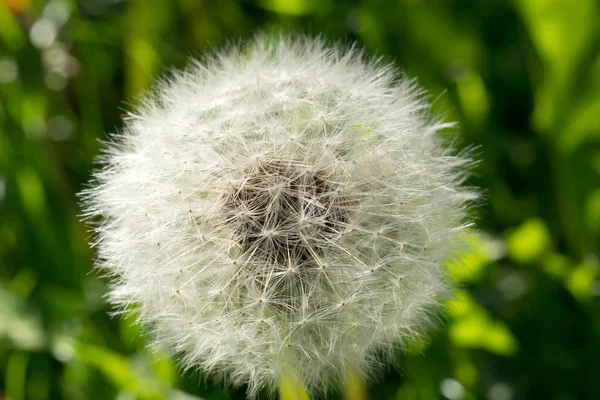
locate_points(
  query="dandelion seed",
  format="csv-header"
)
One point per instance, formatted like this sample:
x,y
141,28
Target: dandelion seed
x,y
281,206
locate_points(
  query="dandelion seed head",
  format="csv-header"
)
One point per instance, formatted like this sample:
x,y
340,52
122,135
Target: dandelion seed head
x,y
281,206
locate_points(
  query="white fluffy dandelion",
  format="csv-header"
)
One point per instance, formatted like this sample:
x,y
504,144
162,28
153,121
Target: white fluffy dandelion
x,y
281,210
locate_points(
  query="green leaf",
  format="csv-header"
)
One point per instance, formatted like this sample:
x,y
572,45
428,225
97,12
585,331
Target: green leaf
x,y
119,370
470,265
473,327
21,327
529,242
296,7
581,280
565,34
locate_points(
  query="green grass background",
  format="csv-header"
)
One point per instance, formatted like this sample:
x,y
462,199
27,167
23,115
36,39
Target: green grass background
x,y
523,79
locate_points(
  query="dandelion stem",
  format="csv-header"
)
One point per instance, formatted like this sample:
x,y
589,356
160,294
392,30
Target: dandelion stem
x,y
290,388
355,387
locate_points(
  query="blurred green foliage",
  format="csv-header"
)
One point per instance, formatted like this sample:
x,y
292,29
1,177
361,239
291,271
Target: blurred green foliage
x,y
523,79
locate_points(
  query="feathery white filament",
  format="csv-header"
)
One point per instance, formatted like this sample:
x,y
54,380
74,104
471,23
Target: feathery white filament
x,y
283,206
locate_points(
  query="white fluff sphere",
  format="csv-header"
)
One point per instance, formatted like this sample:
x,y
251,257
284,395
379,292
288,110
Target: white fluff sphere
x,y
281,209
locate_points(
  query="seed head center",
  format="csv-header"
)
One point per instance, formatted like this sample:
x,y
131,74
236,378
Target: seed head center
x,y
285,213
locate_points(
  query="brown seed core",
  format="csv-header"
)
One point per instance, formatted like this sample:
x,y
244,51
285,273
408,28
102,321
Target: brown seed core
x,y
284,213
